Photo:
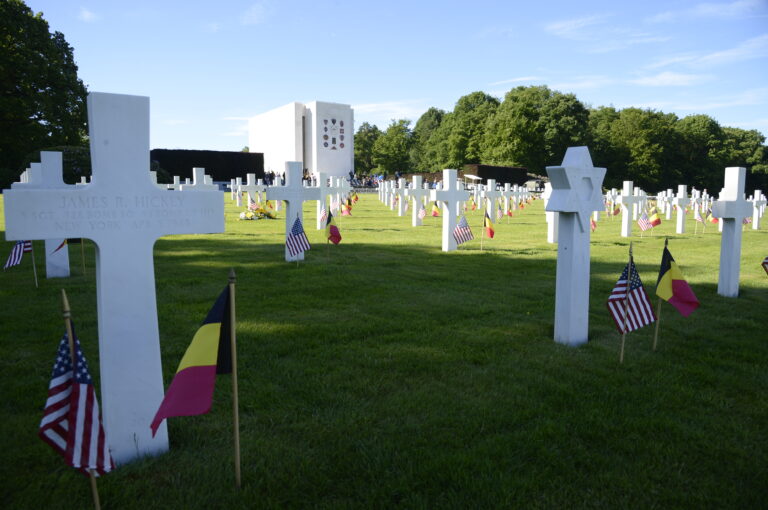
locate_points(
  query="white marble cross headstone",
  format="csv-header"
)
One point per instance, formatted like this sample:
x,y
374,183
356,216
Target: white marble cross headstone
x,y
324,191
400,193
627,201
253,187
491,194
416,192
551,216
731,209
48,175
294,194
124,214
236,193
669,196
507,194
176,184
576,192
342,189
758,202
200,183
681,201
449,196
232,189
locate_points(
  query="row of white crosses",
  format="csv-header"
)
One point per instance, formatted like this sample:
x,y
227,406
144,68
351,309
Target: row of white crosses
x,y
124,213
48,175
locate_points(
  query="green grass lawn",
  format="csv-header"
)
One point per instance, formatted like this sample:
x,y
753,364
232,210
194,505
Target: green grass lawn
x,y
383,372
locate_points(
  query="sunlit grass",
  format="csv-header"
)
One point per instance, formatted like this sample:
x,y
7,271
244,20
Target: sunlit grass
x,y
383,372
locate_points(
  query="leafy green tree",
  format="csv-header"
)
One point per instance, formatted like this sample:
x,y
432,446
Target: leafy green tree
x,y
745,148
647,142
42,101
391,150
425,126
457,140
533,127
700,152
365,138
604,153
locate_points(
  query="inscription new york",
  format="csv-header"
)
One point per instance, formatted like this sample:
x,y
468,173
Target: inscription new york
x,y
119,213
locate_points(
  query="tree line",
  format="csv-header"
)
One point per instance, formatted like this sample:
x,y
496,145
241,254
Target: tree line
x,y
533,126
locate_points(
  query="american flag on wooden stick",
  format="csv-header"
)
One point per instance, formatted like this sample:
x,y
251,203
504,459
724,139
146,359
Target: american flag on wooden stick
x,y
323,214
422,212
629,294
71,422
644,223
17,253
296,240
462,233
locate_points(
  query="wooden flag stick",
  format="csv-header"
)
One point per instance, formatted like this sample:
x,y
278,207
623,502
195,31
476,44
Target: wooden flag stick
x,y
233,346
658,310
626,305
482,234
658,322
68,324
82,253
34,264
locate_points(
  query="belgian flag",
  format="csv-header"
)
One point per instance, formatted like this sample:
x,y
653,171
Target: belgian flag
x,y
672,287
435,210
210,353
332,231
488,225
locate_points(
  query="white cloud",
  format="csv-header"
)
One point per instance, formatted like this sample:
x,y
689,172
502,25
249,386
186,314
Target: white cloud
x,y
757,47
751,97
575,28
382,114
521,79
667,61
212,27
721,10
670,79
751,49
255,14
601,36
87,15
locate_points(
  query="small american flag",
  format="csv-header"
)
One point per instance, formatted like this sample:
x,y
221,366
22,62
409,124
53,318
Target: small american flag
x,y
644,223
765,264
747,220
422,212
499,212
323,215
17,252
462,233
71,423
639,310
296,240
592,224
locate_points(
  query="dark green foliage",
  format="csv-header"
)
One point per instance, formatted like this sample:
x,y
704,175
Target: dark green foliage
x,y
391,149
42,101
420,156
365,138
533,127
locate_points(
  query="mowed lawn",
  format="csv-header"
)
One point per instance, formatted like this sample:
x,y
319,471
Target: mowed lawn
x,y
382,373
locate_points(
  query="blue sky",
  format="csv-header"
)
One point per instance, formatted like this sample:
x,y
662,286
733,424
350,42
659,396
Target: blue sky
x,y
208,66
